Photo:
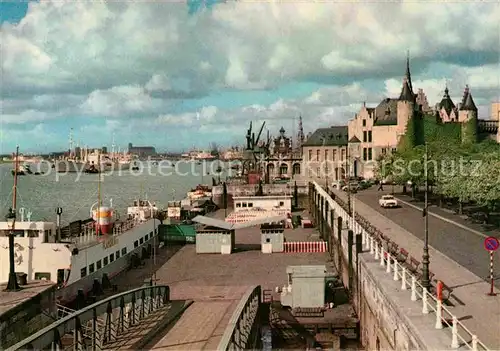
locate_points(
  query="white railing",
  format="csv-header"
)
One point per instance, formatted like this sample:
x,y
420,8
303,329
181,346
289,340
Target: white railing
x,y
408,281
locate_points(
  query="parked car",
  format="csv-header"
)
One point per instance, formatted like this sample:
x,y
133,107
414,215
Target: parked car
x,y
338,184
352,187
388,201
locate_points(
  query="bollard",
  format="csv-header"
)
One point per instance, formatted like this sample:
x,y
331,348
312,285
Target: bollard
x,y
388,263
376,250
372,251
425,308
474,342
454,333
382,263
439,315
403,279
413,288
396,275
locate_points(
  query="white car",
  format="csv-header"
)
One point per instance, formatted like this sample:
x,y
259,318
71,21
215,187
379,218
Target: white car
x,y
338,184
388,201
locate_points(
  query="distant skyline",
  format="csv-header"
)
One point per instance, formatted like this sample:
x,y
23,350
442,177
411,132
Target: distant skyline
x,y
176,75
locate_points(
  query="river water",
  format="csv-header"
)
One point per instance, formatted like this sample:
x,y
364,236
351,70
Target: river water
x,y
77,192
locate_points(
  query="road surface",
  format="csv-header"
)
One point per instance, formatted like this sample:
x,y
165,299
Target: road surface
x,y
461,245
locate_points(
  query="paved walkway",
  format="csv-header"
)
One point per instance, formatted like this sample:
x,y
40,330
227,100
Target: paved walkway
x,y
202,325
478,312
216,284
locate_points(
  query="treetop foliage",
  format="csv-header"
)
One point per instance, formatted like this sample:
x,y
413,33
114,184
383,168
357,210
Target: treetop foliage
x,y
466,171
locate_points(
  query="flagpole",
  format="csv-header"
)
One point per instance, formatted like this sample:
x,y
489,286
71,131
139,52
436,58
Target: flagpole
x,y
425,256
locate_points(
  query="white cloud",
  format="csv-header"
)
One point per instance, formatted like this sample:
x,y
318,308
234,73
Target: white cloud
x,y
248,43
120,101
330,106
139,59
158,82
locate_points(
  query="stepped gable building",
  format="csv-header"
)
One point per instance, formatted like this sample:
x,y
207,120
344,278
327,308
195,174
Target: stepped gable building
x,y
283,160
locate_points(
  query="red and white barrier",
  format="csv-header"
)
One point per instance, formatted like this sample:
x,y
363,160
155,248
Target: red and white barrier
x,y
250,215
305,246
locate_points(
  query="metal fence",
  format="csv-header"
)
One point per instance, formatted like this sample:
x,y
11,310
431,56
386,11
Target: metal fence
x,y
95,327
243,329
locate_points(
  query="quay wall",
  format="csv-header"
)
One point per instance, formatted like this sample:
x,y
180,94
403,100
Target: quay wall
x,y
389,320
27,317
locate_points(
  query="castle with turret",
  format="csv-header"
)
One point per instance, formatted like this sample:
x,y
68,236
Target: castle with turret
x,y
376,131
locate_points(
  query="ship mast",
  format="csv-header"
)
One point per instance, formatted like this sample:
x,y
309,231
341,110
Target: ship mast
x,y
70,142
14,190
98,217
113,148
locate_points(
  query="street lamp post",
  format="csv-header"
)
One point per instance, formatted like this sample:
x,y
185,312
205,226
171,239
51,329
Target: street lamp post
x,y
12,285
155,233
326,163
425,255
348,165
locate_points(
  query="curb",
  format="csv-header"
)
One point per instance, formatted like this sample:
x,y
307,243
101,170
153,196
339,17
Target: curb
x,y
445,219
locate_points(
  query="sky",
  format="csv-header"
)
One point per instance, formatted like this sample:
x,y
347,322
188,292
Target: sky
x,y
178,75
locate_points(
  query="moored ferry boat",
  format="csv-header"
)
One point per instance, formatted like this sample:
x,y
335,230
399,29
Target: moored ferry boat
x,y
103,246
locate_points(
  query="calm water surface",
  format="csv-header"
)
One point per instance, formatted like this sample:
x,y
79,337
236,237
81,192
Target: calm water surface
x,y
76,193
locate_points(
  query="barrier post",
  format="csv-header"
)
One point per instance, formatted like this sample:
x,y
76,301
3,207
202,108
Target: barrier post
x,y
454,334
388,263
474,342
403,279
492,280
376,250
413,288
396,274
372,251
425,307
439,314
382,263
439,305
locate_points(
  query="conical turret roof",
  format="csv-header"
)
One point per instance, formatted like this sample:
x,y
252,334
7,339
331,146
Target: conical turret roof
x,y
407,89
446,102
467,101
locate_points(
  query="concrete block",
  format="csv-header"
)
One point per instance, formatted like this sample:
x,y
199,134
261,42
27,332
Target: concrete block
x,y
225,249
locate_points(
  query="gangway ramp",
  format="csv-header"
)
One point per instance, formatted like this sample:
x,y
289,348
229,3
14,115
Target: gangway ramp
x,y
202,325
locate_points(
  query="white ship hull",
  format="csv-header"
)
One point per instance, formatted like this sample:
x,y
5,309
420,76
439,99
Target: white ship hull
x,y
68,293
75,264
